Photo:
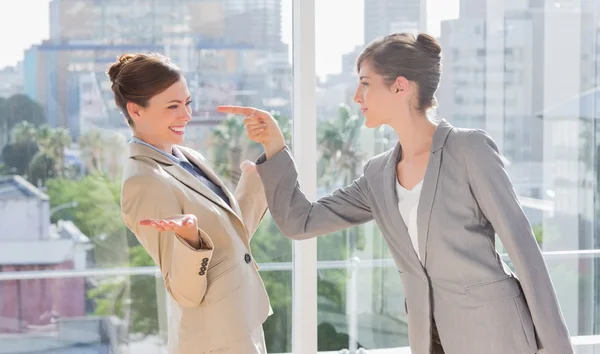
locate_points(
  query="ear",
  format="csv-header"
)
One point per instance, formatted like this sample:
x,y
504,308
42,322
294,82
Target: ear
x,y
134,110
401,85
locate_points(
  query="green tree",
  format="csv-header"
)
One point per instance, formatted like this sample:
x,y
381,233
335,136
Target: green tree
x,y
229,146
16,109
16,156
4,128
41,168
23,145
13,111
37,151
340,155
102,152
53,142
23,132
97,215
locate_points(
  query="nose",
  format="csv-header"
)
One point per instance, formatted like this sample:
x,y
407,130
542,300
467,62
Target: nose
x,y
358,95
188,115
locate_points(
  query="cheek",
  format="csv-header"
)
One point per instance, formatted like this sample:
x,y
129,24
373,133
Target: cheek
x,y
157,120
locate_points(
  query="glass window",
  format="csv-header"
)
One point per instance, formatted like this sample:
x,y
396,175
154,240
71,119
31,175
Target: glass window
x,y
73,278
510,68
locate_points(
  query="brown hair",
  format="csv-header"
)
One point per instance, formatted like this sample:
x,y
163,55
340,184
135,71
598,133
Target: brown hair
x,y
401,54
138,77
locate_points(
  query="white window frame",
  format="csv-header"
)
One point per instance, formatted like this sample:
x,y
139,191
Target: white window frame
x,y
304,146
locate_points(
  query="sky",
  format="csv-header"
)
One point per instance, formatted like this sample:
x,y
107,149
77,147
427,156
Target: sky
x,y
26,22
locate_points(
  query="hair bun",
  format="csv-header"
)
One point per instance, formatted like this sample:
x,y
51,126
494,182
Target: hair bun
x,y
115,68
429,44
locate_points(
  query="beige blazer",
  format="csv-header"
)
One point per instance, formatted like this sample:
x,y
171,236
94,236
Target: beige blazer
x,y
216,293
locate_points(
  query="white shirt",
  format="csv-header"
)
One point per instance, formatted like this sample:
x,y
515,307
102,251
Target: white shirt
x,y
408,202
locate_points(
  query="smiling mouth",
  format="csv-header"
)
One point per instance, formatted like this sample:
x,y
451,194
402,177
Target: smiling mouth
x,y
177,129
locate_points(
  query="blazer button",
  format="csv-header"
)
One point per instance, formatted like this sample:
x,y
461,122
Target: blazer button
x,y
247,258
202,272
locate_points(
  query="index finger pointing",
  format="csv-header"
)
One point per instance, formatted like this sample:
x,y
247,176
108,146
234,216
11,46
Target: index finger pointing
x,y
236,110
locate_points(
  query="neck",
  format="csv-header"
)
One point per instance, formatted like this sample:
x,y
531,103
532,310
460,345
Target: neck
x,y
167,148
415,133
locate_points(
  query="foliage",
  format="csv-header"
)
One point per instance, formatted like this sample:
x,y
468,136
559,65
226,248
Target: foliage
x,y
16,156
230,146
97,196
37,152
16,109
97,214
339,160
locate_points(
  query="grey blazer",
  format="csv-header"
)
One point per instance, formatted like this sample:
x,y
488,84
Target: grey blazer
x,y
478,304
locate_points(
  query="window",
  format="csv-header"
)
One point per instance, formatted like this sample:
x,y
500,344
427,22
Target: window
x,y
75,265
67,262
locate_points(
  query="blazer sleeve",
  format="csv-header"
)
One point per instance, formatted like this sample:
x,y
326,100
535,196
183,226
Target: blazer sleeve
x,y
498,201
295,215
183,268
250,195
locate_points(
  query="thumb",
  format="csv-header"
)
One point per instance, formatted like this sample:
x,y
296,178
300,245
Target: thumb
x,y
248,166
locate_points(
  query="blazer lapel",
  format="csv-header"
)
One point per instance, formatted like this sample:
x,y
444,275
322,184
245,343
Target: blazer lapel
x,y
430,182
179,173
199,161
391,203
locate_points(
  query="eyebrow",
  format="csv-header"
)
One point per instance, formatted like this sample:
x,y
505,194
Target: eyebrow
x,y
178,101
363,77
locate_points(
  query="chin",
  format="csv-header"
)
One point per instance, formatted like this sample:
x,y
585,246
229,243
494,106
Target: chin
x,y
370,124
180,140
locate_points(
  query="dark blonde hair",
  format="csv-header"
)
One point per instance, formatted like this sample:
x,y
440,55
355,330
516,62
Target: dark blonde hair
x,y
401,54
138,77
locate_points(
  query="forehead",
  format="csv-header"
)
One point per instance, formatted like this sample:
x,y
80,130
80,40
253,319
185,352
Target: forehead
x,y
365,69
178,91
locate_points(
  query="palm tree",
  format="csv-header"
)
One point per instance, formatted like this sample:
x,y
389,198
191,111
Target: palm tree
x,y
24,132
92,146
338,148
340,157
230,146
49,158
54,142
115,144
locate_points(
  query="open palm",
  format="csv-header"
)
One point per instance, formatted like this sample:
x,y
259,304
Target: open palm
x,y
180,224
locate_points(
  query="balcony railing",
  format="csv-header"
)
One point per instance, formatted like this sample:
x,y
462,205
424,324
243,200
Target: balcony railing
x,y
584,344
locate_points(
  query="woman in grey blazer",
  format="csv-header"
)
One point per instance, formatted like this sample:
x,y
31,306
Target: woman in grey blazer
x,y
439,197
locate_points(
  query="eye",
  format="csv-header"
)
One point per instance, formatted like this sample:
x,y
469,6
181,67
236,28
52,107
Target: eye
x,y
172,107
188,103
364,84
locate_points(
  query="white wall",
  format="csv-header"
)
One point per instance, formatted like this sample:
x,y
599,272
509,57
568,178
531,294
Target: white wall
x,y
24,219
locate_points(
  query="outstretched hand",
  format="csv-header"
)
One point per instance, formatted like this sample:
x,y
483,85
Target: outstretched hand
x,y
261,127
185,225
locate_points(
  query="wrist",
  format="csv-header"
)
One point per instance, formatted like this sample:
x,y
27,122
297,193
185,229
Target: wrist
x,y
273,149
192,238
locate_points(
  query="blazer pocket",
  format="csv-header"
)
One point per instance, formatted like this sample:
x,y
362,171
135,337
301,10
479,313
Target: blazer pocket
x,y
495,290
216,267
220,285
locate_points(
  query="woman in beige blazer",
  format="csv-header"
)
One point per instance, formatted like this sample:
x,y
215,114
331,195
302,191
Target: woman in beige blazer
x,y
439,197
196,231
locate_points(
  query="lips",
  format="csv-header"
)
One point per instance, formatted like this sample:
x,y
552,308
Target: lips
x,y
178,130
